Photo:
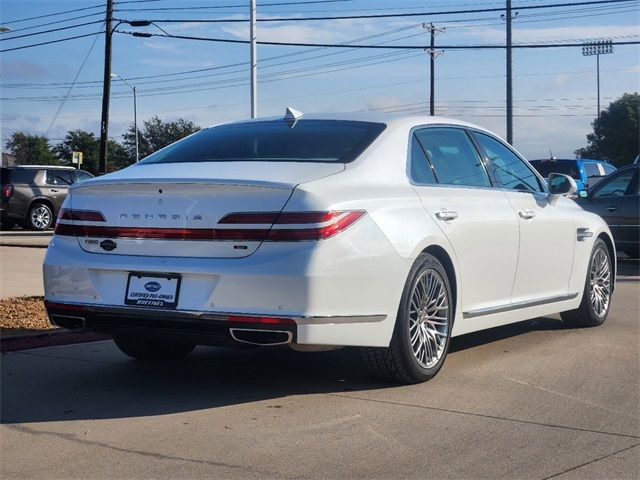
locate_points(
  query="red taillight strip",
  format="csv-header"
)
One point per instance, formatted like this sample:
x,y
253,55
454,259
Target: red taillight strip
x,y
63,306
284,218
81,215
262,320
161,233
318,233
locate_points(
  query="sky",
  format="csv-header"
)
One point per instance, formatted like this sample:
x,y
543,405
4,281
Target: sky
x,y
554,89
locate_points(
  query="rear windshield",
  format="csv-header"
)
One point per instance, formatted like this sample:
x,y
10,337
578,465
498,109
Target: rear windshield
x,y
18,175
566,167
332,141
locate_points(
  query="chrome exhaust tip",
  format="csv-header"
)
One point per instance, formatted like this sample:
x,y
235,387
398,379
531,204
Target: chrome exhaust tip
x,y
67,321
254,336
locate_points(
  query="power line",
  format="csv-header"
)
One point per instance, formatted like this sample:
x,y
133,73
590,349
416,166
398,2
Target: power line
x,y
214,7
49,42
7,22
77,25
388,47
31,27
390,15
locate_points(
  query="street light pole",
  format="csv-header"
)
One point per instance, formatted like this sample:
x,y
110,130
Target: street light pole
x,y
597,48
135,111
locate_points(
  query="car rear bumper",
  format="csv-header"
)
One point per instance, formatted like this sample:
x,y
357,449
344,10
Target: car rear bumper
x,y
343,291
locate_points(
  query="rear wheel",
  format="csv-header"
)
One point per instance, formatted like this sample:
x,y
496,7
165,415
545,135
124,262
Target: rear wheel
x,y
40,217
422,331
141,348
596,296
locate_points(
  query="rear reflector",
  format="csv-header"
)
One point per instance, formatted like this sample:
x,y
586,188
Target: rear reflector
x,y
262,320
7,190
284,218
81,215
63,307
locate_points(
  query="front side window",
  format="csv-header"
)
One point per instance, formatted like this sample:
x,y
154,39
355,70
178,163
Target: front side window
x,y
608,169
592,170
81,177
58,177
314,141
616,186
453,157
508,169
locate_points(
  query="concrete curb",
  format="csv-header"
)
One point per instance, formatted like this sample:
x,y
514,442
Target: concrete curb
x,y
48,339
21,245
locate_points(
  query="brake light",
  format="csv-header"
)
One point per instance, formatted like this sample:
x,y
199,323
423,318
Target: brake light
x,y
81,215
7,190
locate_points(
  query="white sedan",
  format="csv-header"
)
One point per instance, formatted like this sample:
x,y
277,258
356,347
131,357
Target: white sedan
x,y
388,233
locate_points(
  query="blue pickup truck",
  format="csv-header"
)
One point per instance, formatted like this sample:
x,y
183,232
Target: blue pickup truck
x,y
585,171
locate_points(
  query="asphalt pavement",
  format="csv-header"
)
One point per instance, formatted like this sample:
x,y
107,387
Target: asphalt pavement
x,y
532,400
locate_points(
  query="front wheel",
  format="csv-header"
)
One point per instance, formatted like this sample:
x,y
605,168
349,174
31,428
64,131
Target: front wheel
x,y
141,348
422,332
596,296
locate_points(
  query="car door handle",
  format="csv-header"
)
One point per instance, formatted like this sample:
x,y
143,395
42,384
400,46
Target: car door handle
x,y
446,215
527,214
612,208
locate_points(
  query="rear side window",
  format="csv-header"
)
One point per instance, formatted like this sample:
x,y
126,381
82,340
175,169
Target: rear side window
x,y
59,177
592,170
566,167
454,159
321,141
20,175
608,169
508,170
81,177
421,171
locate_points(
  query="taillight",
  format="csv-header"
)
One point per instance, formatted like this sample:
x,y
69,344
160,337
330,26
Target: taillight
x,y
261,320
81,215
7,190
329,223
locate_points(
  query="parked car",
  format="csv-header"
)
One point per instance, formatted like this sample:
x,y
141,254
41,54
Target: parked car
x,y
32,195
586,172
391,234
616,199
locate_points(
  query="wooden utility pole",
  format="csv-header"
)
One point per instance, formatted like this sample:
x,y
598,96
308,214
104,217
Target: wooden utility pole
x,y
106,90
432,64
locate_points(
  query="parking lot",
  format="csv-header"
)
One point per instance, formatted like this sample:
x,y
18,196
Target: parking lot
x,y
532,400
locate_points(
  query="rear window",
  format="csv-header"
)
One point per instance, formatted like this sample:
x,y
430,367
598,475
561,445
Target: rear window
x,y
18,175
566,167
321,141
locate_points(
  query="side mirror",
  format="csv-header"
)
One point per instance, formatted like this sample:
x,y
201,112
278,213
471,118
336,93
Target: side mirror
x,y
583,194
560,185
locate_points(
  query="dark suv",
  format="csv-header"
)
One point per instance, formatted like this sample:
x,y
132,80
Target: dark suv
x,y
32,195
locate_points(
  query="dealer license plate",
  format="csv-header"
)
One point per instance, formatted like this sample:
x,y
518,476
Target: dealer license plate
x,y
153,290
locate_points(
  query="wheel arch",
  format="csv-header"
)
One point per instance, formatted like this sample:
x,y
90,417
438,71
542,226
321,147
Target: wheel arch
x,y
612,253
446,261
38,201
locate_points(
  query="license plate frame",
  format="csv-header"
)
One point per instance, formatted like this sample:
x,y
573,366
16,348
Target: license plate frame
x,y
166,293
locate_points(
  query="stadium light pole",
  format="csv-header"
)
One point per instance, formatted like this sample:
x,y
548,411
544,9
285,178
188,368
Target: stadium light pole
x,y
135,111
597,48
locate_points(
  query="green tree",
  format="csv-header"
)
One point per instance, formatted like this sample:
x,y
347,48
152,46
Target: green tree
x,y
616,134
156,134
31,149
80,141
117,156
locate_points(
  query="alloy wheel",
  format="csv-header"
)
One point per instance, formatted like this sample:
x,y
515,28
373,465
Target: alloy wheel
x,y
429,317
600,282
41,217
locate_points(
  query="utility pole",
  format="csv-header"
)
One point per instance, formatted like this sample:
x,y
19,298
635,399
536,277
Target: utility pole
x,y
432,64
254,61
601,47
508,17
106,90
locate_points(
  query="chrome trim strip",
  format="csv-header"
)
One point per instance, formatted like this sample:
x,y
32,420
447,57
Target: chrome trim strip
x,y
339,319
516,306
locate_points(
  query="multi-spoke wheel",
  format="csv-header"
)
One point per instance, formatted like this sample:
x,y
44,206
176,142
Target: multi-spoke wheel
x,y
40,217
596,297
423,327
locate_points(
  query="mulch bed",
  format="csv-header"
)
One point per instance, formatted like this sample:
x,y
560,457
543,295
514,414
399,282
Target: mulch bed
x,y
24,324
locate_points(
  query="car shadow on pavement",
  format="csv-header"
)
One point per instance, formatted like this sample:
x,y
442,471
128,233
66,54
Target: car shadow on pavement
x,y
628,267
95,381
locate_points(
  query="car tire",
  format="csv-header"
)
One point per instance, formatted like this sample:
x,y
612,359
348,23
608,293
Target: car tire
x,y
40,217
596,296
632,252
142,348
422,331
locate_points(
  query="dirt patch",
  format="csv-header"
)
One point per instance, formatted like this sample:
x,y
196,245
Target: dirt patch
x,y
23,315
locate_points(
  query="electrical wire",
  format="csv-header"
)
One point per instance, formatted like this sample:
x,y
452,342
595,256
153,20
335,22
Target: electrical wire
x,y
77,25
49,42
7,22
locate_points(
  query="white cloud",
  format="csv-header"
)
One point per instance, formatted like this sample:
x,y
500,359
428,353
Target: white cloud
x,y
161,45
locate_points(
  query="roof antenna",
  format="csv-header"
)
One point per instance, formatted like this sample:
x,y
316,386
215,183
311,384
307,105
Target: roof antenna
x,y
292,116
551,157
